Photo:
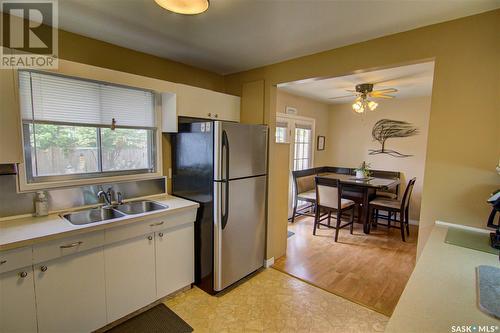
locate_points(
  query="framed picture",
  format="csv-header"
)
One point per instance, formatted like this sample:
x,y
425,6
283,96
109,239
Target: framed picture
x,y
321,143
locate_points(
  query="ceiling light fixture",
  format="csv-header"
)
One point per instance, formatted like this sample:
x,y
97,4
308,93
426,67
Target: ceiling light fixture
x,y
185,7
362,104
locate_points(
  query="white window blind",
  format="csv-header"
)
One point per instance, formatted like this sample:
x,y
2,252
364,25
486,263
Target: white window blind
x,y
46,97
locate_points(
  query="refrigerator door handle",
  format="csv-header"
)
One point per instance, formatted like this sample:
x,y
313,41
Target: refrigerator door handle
x,y
225,147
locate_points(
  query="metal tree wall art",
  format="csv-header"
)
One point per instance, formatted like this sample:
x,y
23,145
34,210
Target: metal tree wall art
x,y
386,129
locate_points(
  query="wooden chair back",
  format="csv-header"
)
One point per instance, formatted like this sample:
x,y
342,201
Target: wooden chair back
x,y
303,180
388,175
328,192
407,195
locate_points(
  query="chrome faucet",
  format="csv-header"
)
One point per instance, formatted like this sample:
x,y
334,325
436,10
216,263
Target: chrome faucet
x,y
108,196
119,198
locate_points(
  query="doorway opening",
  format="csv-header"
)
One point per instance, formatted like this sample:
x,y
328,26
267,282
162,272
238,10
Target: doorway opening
x,y
329,138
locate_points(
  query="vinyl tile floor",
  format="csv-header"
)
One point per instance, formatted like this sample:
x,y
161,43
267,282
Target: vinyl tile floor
x,y
272,301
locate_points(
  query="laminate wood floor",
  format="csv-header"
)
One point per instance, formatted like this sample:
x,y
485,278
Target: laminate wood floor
x,y
371,270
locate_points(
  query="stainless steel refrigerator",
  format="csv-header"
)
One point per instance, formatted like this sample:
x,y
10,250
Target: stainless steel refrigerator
x,y
223,166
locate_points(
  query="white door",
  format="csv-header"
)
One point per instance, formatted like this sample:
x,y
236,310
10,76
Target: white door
x,y
70,294
174,259
300,133
130,275
17,301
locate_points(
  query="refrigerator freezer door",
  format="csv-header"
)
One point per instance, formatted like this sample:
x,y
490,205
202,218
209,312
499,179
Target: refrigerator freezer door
x,y
240,242
247,147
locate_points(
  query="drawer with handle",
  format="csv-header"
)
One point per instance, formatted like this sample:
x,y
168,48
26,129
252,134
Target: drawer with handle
x,y
14,259
132,230
67,246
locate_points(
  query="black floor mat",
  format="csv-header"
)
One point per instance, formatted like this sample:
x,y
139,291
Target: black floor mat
x,y
159,319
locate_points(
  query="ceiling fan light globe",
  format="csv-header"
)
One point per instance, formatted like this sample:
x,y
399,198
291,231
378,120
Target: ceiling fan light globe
x,y
357,106
372,105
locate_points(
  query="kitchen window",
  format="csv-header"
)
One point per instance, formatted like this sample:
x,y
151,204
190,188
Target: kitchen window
x,y
75,128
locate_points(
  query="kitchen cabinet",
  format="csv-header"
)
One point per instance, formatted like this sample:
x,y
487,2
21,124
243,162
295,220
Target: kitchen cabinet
x,y
82,282
17,301
202,103
11,150
130,275
174,248
70,293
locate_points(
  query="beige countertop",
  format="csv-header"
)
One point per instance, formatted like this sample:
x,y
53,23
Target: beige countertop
x,y
30,230
441,291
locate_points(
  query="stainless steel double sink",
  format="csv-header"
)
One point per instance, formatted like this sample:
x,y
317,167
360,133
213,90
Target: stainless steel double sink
x,y
108,213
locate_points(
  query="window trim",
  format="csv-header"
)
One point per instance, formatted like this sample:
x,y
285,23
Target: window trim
x,y
110,76
31,179
89,72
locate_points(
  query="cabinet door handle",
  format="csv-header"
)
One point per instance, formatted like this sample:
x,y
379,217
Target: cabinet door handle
x,y
23,274
150,237
3,262
43,268
71,245
156,224
160,234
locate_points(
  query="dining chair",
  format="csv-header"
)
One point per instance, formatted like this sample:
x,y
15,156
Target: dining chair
x,y
329,199
400,208
304,190
391,193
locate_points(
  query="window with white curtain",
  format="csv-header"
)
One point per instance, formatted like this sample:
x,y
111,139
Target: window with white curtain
x,y
303,147
75,128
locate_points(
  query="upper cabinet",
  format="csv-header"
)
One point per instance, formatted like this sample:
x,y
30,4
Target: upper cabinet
x,y
202,103
11,150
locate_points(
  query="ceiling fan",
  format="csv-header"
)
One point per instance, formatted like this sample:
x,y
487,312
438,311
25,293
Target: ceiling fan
x,y
363,92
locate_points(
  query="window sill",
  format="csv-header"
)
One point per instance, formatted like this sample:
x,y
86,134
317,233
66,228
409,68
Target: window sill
x,y
24,186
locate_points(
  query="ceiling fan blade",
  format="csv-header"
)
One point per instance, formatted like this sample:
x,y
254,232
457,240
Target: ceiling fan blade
x,y
383,96
400,77
379,93
345,96
383,91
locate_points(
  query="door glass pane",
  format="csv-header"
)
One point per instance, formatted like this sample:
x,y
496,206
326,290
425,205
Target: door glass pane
x,y
302,149
125,149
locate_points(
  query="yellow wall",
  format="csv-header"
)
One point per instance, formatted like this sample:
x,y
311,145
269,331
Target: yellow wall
x,y
464,126
351,138
90,51
94,52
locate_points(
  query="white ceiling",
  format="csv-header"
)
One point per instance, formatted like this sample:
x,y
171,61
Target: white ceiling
x,y
410,81
236,35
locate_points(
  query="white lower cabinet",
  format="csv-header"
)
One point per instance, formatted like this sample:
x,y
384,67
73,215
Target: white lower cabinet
x,y
130,275
84,282
17,301
70,293
174,259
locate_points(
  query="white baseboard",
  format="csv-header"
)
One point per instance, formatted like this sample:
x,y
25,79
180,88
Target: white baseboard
x,y
269,262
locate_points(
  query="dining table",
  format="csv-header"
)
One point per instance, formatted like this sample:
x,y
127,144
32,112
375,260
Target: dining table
x,y
363,189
